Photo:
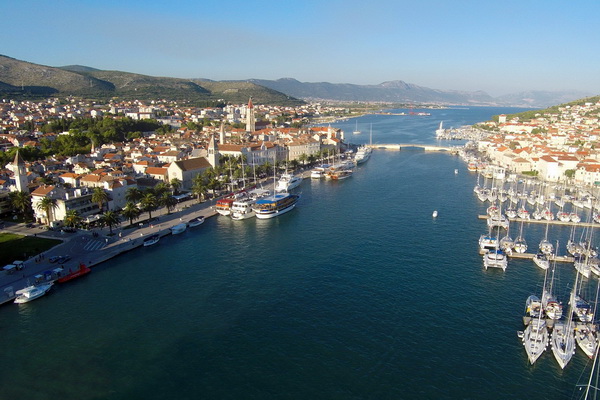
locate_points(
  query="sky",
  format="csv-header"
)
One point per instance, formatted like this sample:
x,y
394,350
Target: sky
x,y
499,47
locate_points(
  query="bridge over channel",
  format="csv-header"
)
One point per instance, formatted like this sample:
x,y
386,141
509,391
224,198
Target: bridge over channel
x,y
402,146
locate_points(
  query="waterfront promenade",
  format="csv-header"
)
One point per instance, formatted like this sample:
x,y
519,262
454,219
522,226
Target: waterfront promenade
x,y
93,247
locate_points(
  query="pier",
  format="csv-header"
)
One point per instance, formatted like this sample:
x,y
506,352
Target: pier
x,y
529,256
553,222
401,146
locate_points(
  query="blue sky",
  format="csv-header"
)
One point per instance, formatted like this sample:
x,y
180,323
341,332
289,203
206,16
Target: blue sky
x,y
496,46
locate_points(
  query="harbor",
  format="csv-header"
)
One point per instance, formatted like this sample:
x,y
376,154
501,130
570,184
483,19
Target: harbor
x,y
251,308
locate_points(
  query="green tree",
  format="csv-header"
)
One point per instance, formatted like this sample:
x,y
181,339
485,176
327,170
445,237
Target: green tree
x,y
100,197
110,219
176,184
72,218
47,205
168,201
134,195
130,211
21,201
149,203
199,189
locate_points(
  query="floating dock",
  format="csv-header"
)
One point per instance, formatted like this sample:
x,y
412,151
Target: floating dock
x,y
553,222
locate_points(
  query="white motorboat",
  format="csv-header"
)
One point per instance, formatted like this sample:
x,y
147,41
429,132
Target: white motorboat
x,y
179,228
242,209
362,154
288,182
196,221
434,214
32,292
150,240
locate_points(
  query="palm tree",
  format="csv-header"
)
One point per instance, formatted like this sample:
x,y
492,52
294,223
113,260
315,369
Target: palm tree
x,y
168,201
72,218
161,188
134,195
176,184
47,205
149,203
110,219
21,201
199,189
99,196
130,211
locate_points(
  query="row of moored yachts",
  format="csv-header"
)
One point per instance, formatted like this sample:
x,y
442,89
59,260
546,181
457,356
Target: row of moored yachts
x,y
546,323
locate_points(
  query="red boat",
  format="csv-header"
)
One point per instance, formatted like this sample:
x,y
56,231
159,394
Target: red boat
x,y
75,274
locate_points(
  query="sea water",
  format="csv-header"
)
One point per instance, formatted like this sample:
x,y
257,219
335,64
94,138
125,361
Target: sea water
x,y
356,293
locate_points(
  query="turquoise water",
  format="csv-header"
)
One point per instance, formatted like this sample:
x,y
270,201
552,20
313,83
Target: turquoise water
x,y
357,293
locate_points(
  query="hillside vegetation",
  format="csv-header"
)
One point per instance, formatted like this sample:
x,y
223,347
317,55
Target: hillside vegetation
x,y
20,79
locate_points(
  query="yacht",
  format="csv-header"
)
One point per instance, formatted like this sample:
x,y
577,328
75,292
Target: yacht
x,y
495,259
275,205
32,292
288,182
242,209
563,342
362,154
535,339
542,260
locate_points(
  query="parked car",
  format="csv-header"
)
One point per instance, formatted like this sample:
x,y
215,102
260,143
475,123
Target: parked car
x,y
63,259
54,259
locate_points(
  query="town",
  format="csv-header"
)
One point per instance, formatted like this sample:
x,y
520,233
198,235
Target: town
x,y
191,142
560,145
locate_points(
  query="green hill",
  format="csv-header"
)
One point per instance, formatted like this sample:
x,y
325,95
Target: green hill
x,y
20,79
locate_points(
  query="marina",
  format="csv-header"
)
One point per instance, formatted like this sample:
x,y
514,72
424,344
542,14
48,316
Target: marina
x,y
337,287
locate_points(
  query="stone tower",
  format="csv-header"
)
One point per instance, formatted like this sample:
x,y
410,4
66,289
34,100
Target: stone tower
x,y
213,152
20,173
250,121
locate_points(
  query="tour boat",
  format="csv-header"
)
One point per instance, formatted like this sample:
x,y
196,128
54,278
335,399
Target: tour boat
x,y
83,269
179,228
340,174
150,240
275,205
223,205
362,154
196,221
32,292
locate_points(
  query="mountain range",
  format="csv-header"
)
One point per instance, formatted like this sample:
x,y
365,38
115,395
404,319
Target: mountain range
x,y
24,79
402,92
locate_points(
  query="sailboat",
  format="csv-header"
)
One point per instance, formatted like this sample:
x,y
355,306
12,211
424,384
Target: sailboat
x,y
585,329
356,131
535,337
563,338
520,245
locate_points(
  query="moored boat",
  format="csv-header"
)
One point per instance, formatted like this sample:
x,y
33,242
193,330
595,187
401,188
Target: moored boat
x,y
150,240
83,270
196,221
179,228
32,292
275,205
288,182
